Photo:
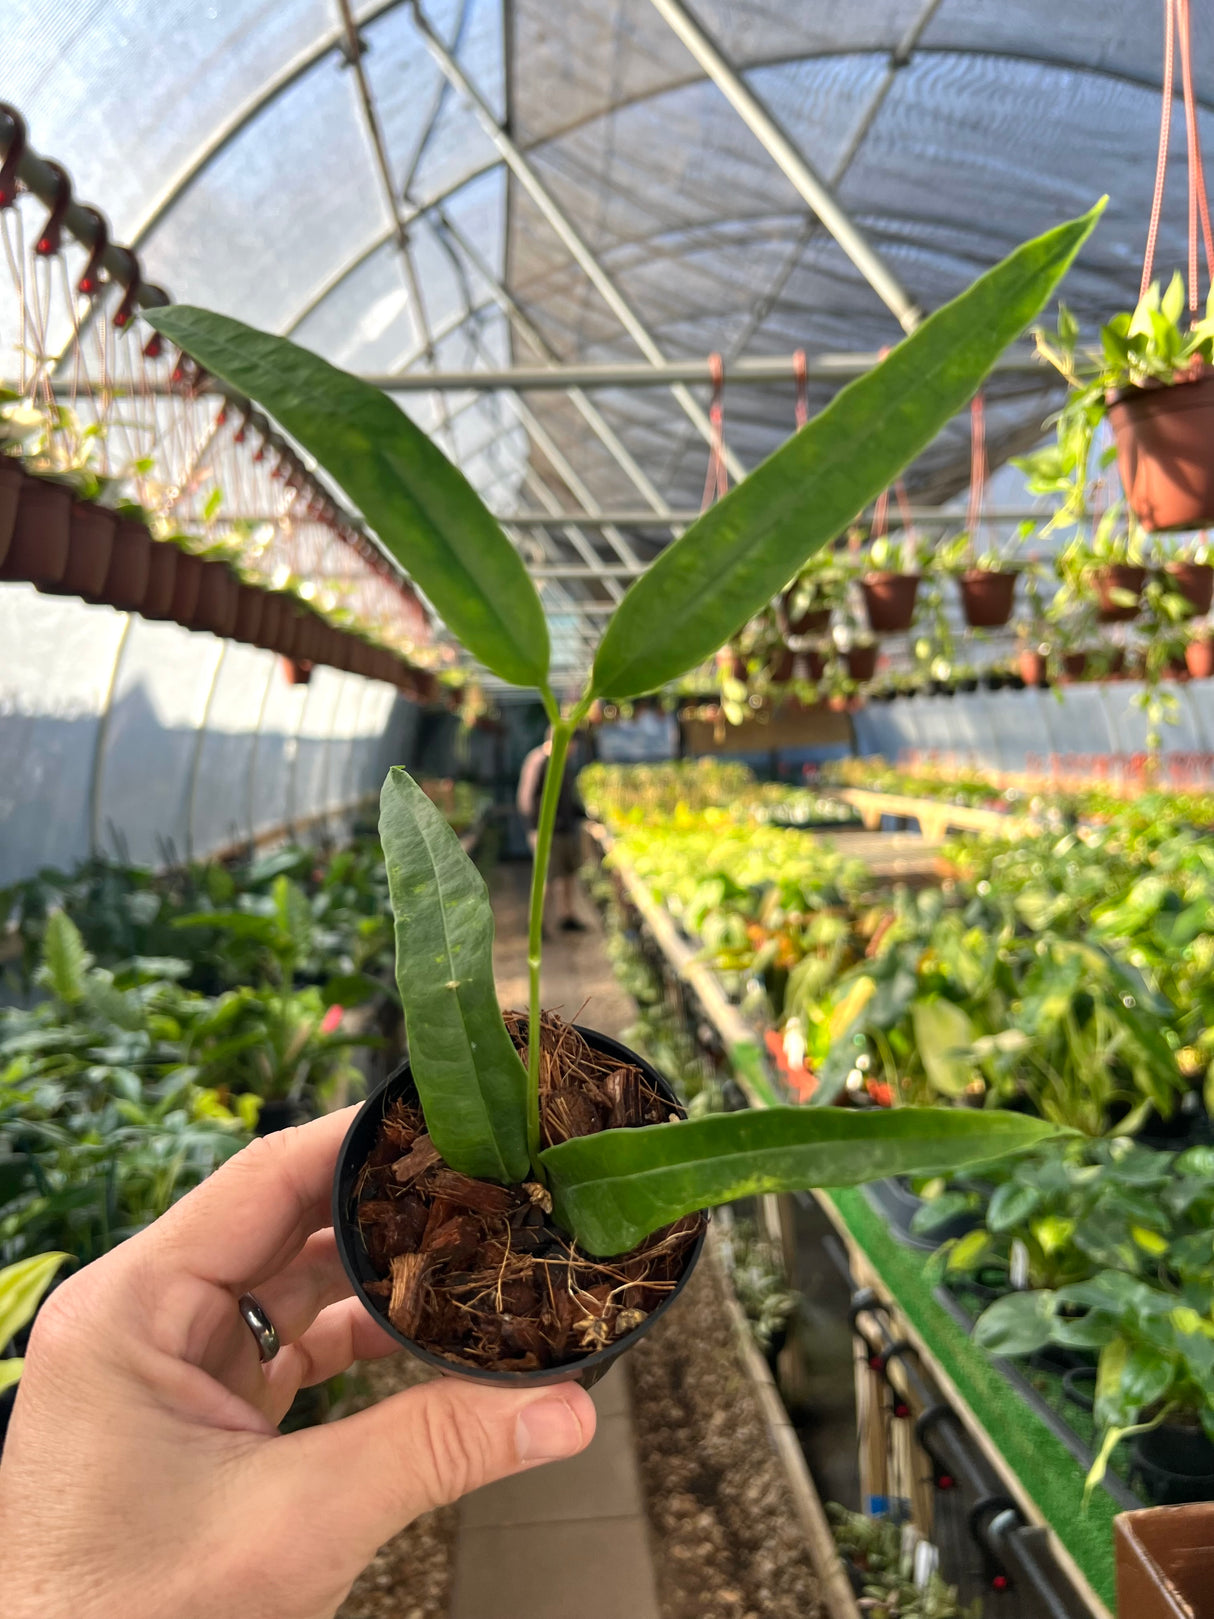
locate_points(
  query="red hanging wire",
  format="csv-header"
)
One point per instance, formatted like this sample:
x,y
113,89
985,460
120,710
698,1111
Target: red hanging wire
x,y
978,466
716,483
800,371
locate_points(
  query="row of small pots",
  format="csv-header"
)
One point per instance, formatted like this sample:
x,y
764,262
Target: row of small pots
x,y
988,596
71,547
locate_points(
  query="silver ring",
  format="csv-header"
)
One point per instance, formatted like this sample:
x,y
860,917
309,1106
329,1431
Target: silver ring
x,y
260,1325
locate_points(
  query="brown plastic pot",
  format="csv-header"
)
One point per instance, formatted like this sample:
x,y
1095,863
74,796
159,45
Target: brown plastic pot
x,y
1165,451
814,622
1194,581
1074,665
90,547
250,606
1118,576
1033,667
162,580
11,480
889,600
269,627
41,537
351,1160
1199,658
986,598
862,662
291,630
186,588
126,582
798,666
218,598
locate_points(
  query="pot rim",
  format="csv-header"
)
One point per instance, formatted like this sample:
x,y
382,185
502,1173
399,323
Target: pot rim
x,y
349,1247
1154,390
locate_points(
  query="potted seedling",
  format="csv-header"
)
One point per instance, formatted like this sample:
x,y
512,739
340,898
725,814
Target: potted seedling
x,y
890,584
511,1218
1151,378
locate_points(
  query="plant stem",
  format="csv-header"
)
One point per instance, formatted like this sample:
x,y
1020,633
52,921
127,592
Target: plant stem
x,y
562,732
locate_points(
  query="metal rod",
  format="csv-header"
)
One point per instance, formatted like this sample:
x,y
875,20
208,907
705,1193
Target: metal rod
x,y
560,222
682,519
792,162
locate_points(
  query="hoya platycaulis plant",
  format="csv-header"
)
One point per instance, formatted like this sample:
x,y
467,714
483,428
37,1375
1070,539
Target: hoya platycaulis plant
x,y
482,1106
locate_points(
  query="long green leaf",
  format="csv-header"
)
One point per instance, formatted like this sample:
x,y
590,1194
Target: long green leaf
x,y
746,547
423,509
21,1288
469,1076
612,1189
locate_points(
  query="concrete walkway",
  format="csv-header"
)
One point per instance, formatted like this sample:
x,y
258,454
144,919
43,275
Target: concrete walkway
x,y
567,1541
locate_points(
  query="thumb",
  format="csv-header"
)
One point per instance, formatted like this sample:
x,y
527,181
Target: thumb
x,y
367,1476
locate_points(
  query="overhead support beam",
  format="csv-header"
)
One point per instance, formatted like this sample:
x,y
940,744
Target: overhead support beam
x,y
630,374
792,162
928,516
564,228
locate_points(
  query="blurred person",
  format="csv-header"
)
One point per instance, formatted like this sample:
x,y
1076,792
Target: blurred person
x,y
144,1475
566,857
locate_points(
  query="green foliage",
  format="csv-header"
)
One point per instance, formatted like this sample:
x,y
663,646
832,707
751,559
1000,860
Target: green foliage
x,y
877,1549
611,1189
471,1082
423,509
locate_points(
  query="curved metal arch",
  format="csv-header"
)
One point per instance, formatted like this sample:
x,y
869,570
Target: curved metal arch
x,y
239,121
385,237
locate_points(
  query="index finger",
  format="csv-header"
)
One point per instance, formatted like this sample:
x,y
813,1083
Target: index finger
x,y
254,1214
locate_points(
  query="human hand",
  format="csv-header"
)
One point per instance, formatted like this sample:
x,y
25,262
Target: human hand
x,y
144,1476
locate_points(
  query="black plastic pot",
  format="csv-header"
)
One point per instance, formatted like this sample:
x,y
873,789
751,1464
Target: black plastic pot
x,y
1079,1386
355,1150
279,1113
894,1199
1174,1465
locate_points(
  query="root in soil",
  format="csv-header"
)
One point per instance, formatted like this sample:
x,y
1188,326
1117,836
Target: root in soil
x,y
478,1273
727,1543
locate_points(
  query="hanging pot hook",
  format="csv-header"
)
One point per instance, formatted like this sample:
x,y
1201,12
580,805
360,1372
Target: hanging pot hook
x,y
49,241
156,298
13,154
89,283
131,283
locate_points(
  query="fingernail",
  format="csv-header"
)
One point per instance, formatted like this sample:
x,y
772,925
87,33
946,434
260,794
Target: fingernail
x,y
548,1430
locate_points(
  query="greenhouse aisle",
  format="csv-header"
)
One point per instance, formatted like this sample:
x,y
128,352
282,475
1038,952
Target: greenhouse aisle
x,y
571,1537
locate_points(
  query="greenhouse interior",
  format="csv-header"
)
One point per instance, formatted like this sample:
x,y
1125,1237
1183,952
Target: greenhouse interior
x,y
606,810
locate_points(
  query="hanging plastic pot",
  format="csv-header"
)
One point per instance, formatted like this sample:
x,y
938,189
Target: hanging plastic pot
x,y
269,627
11,480
798,666
290,629
1195,582
1165,451
250,606
815,621
90,546
38,546
1122,577
297,671
889,601
126,579
987,596
1074,666
186,587
162,580
1199,658
862,662
218,598
1034,669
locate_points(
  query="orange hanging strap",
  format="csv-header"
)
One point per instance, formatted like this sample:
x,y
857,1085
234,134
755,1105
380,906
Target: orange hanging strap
x,y
1199,206
716,483
1165,131
978,466
800,371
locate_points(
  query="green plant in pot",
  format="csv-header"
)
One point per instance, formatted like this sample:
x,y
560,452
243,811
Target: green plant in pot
x,y
985,579
1151,379
510,1218
890,582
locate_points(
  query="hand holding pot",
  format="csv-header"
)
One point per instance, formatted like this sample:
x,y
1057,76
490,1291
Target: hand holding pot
x,y
144,1474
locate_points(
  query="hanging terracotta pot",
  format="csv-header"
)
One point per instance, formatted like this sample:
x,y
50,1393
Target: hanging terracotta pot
x,y
162,580
1033,666
1165,451
269,628
815,621
1118,576
798,666
38,546
11,480
186,586
385,665
363,661
889,600
296,671
1194,581
126,581
250,606
987,596
90,546
290,629
862,662
1199,658
1074,666
218,598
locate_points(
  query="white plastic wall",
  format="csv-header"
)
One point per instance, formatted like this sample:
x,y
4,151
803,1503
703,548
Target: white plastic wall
x,y
154,743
